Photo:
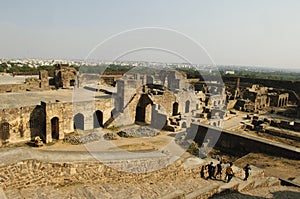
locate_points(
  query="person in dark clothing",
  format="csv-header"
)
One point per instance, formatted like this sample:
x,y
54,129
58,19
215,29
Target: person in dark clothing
x,y
229,172
211,170
219,170
247,169
202,172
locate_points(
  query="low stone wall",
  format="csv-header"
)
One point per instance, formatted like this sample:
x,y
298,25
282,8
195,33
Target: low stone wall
x,y
241,143
31,173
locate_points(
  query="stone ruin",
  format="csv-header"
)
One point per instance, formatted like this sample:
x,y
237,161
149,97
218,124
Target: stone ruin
x,y
256,98
64,77
163,100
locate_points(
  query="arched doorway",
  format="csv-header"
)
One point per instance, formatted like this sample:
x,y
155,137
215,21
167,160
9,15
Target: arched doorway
x,y
187,106
144,109
4,131
143,113
98,119
55,128
79,121
175,108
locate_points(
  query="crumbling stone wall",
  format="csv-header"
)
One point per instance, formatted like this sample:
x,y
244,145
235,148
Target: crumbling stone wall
x,y
65,76
142,97
31,83
7,88
67,115
31,173
279,100
44,79
24,123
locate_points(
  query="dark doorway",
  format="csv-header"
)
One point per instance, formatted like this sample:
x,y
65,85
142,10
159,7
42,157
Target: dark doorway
x,y
55,128
187,106
72,82
79,121
38,123
98,119
4,131
144,109
175,108
140,114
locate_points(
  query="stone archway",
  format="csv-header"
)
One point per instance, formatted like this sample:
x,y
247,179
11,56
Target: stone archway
x,y
144,109
79,121
55,128
98,119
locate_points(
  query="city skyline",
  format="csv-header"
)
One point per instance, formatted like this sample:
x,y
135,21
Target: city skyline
x,y
256,33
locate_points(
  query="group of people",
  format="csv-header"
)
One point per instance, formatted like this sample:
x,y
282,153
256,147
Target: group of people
x,y
216,171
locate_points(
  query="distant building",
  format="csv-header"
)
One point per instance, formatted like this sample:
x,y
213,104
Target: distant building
x,y
229,72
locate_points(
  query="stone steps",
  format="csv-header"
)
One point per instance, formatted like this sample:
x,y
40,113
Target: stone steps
x,y
203,192
233,185
246,185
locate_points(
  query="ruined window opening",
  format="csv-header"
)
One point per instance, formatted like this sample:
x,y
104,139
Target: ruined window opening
x,y
187,106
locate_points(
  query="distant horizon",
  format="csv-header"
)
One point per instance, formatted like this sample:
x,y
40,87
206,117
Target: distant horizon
x,y
246,33
290,69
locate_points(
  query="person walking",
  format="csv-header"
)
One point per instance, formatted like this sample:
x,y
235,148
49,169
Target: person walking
x,y
211,170
229,172
219,170
246,169
202,175
226,175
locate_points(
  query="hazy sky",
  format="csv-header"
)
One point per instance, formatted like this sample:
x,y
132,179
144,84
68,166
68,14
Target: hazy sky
x,y
239,32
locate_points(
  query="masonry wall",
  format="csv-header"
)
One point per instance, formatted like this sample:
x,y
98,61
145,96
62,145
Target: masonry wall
x,y
6,88
66,112
24,122
240,144
32,173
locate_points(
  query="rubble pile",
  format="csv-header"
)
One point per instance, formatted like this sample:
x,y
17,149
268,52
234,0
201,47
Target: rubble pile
x,y
110,136
139,132
76,139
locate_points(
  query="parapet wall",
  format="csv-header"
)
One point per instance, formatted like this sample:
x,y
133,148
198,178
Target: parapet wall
x,y
242,144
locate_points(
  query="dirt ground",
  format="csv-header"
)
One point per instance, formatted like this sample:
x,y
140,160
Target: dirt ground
x,y
274,166
128,144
